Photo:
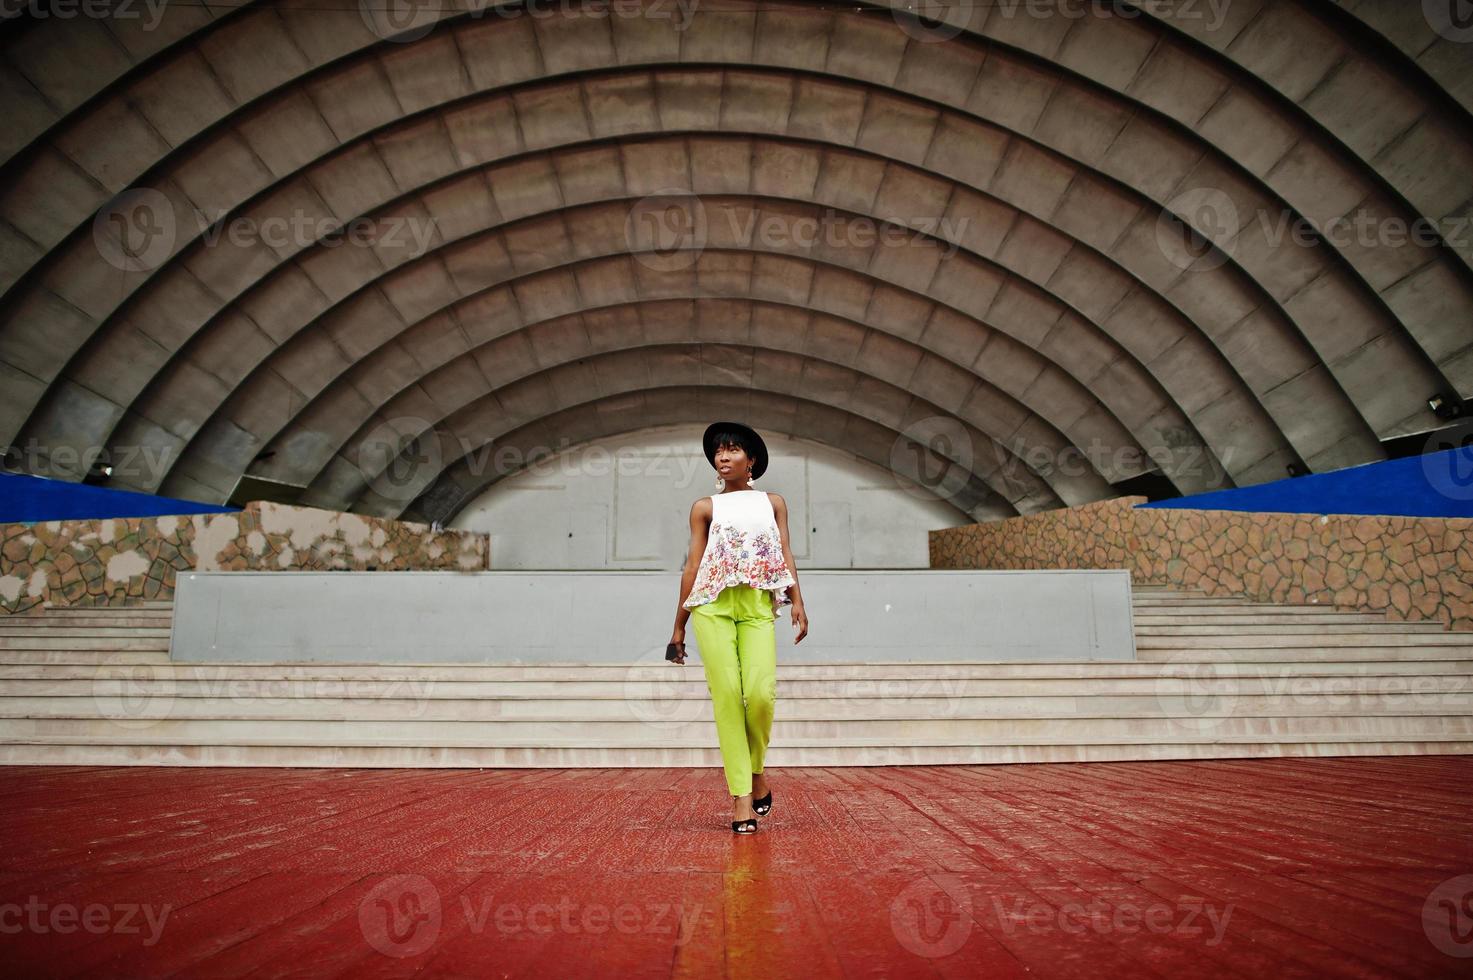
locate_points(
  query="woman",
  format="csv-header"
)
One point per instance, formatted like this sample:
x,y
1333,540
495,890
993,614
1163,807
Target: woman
x,y
746,571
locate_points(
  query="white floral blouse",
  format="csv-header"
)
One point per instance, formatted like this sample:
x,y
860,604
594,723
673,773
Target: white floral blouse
x,y
742,547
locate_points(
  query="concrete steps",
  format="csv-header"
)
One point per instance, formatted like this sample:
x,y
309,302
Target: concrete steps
x,y
1216,677
884,675
66,657
1081,700
1215,625
996,733
547,753
47,641
1232,639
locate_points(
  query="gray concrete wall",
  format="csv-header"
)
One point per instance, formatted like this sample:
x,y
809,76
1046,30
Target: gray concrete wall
x,y
625,502
626,617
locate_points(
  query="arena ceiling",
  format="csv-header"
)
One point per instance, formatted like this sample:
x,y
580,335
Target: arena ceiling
x,y
271,240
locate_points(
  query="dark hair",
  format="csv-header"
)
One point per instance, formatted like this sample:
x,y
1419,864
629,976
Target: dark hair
x,y
735,438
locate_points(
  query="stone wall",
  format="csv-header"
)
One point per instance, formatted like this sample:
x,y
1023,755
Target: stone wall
x,y
1411,568
97,562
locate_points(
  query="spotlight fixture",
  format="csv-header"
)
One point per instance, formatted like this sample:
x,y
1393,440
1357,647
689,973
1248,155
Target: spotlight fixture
x,y
1295,469
1446,406
98,473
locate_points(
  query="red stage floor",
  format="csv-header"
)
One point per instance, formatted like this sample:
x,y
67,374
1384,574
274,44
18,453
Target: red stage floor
x,y
1253,868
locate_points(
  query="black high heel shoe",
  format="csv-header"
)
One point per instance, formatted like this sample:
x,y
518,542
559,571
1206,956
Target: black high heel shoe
x,y
747,826
760,807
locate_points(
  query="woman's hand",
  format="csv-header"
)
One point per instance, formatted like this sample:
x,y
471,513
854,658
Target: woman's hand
x,y
800,621
678,638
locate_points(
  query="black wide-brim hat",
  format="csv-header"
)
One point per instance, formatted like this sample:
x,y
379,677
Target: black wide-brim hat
x,y
759,448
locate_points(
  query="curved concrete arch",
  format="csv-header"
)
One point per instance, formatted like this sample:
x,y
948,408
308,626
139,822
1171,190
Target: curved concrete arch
x,y
1382,388
1405,28
1013,429
1007,469
898,417
1075,271
174,404
1199,360
495,311
1293,50
846,291
301,448
61,68
1399,125
916,463
1275,356
1123,66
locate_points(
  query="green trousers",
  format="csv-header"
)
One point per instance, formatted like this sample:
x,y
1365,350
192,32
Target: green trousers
x,y
738,646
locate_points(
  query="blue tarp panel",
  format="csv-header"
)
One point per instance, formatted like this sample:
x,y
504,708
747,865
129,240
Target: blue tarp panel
x,y
28,499
1436,484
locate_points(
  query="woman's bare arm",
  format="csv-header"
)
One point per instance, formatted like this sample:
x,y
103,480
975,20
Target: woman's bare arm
x,y
780,511
800,616
700,528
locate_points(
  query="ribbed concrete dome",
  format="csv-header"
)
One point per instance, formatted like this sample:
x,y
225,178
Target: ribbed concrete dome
x,y
568,222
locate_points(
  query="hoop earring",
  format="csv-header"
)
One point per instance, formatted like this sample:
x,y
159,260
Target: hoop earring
x,y
718,483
